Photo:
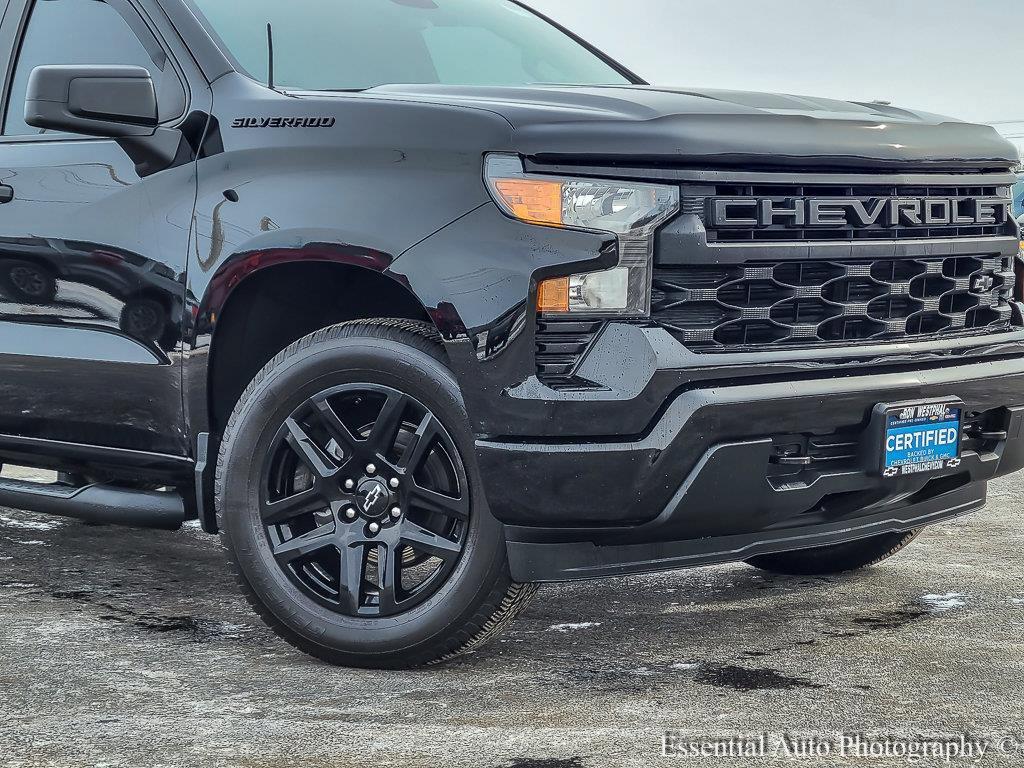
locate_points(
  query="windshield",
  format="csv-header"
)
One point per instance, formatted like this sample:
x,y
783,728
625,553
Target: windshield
x,y
358,44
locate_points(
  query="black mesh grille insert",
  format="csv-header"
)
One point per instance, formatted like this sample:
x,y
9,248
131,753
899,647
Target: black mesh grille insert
x,y
822,302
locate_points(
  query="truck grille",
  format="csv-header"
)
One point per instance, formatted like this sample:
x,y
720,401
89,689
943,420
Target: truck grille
x,y
787,303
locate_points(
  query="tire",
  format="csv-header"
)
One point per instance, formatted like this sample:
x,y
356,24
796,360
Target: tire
x,y
143,319
840,558
340,618
28,282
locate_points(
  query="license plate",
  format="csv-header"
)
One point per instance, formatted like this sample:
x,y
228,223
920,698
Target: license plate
x,y
921,437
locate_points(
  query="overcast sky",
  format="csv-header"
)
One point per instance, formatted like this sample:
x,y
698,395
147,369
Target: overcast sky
x,y
953,57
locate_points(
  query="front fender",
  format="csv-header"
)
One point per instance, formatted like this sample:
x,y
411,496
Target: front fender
x,y
478,280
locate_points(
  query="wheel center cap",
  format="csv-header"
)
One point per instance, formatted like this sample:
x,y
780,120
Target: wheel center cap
x,y
374,498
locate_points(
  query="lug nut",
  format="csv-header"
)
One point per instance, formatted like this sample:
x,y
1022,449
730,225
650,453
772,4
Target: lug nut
x,y
396,512
350,484
374,528
350,513
393,482
371,469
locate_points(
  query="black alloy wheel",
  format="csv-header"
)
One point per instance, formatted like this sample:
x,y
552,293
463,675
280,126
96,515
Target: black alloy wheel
x,y
351,507
365,501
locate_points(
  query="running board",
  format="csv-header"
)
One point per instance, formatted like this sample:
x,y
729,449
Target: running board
x,y
96,503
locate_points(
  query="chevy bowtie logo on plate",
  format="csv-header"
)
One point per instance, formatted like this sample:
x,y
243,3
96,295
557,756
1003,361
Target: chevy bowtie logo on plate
x,y
982,283
857,213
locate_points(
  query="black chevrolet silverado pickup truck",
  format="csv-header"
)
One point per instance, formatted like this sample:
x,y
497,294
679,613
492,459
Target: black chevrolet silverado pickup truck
x,y
419,303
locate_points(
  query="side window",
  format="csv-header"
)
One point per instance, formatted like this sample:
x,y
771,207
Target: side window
x,y
84,32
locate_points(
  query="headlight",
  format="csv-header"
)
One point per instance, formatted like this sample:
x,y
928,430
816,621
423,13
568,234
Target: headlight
x,y
632,212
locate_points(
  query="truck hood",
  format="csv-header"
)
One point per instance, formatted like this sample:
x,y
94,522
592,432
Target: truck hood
x,y
649,125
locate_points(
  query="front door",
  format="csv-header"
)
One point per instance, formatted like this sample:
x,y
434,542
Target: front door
x,y
92,257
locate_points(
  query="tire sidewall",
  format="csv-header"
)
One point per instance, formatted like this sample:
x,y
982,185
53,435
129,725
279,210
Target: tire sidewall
x,y
284,387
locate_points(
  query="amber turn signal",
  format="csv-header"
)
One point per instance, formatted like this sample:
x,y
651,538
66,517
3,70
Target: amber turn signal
x,y
532,200
553,295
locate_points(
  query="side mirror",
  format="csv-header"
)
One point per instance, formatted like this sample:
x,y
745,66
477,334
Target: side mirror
x,y
92,100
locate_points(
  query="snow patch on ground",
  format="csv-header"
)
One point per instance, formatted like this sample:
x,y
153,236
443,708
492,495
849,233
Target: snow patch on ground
x,y
193,528
1018,601
229,631
27,525
943,603
573,627
685,667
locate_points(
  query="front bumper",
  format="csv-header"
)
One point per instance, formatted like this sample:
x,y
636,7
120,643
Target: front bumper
x,y
702,484
668,456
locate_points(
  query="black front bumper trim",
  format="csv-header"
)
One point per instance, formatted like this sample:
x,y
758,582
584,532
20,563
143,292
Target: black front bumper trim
x,y
532,561
726,434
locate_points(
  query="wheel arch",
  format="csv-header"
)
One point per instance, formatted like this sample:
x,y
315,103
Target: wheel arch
x,y
260,301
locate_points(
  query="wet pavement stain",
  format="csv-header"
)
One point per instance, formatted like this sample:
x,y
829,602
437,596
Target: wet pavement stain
x,y
81,595
609,680
625,680
745,679
761,654
199,630
897,618
890,619
196,628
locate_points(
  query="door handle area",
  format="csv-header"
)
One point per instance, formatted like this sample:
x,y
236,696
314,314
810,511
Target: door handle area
x,y
6,193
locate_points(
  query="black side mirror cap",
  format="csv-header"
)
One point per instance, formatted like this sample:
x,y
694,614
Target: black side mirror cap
x,y
92,100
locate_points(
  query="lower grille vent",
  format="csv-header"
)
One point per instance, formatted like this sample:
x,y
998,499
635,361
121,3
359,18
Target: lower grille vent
x,y
561,344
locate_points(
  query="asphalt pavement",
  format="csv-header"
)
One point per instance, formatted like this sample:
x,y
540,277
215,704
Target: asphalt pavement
x,y
132,648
